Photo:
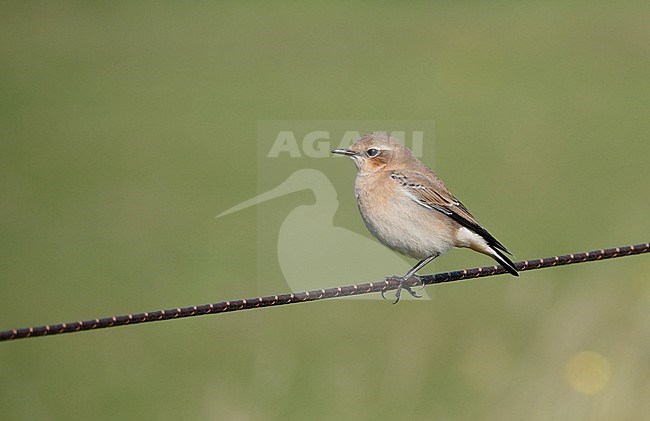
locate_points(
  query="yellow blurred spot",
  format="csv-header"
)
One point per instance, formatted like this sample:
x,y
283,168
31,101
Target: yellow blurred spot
x,y
587,372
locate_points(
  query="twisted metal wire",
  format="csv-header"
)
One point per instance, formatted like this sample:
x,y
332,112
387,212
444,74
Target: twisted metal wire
x,y
321,294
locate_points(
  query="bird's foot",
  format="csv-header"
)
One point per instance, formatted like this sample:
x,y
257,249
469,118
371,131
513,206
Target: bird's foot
x,y
403,286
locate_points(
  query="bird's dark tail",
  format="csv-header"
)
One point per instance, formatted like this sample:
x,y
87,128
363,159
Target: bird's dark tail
x,y
504,261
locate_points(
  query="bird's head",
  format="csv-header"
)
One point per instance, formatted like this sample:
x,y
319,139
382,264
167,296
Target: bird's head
x,y
377,151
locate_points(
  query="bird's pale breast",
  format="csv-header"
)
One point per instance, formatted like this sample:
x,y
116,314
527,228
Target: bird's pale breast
x,y
399,222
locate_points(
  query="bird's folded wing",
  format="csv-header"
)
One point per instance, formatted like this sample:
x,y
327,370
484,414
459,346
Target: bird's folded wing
x,y
429,191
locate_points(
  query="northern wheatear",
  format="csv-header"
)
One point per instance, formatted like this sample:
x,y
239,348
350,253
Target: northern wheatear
x,y
407,207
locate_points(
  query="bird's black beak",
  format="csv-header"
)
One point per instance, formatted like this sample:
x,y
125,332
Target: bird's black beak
x,y
346,152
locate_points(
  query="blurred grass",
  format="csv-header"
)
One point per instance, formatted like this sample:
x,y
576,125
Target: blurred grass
x,y
126,126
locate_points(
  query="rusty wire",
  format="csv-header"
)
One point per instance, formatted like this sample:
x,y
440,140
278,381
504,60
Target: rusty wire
x,y
321,294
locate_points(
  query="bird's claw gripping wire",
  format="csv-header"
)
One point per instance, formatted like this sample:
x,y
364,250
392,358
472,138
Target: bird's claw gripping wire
x,y
402,286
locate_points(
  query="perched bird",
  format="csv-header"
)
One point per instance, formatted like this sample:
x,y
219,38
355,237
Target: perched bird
x,y
407,207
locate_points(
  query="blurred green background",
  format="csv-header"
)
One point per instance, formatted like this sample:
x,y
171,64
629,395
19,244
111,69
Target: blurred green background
x,y
126,126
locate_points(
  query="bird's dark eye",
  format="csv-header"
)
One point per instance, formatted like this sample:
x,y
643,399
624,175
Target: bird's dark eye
x,y
372,152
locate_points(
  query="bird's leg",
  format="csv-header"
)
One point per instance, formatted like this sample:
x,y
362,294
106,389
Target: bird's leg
x,y
411,273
